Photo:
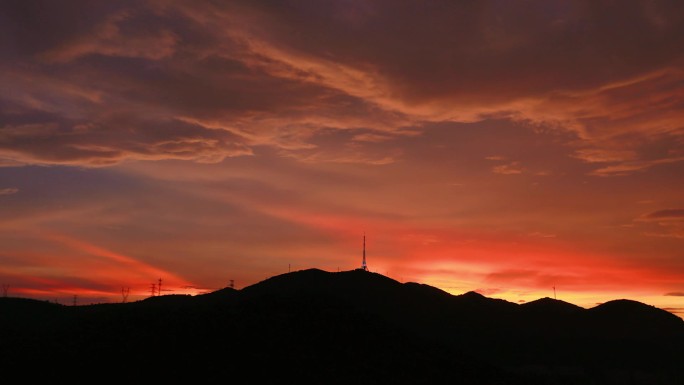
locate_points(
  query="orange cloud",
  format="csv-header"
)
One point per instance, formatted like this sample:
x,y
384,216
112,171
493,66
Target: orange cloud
x,y
87,270
215,80
508,169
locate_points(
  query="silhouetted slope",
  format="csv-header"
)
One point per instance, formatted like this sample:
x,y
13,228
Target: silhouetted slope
x,y
629,318
358,327
225,294
547,319
28,309
550,307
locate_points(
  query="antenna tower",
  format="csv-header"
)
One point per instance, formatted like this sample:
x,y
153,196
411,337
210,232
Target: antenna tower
x,y
363,264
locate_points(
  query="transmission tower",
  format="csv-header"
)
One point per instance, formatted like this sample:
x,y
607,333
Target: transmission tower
x,y
153,289
5,289
75,299
232,284
364,266
124,293
159,286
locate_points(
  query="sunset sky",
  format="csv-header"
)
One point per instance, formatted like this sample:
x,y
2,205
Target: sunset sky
x,y
499,146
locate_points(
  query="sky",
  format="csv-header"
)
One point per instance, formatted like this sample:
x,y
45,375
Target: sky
x,y
519,149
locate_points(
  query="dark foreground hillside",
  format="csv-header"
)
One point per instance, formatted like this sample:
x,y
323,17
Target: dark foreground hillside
x,y
355,327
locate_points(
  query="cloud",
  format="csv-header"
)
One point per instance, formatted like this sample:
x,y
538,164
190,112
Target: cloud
x,y
538,234
371,137
508,169
488,291
82,268
495,157
667,223
626,168
675,294
8,191
674,310
108,39
600,155
241,74
102,144
666,214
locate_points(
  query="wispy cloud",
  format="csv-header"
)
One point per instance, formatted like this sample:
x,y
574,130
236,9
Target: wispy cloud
x,y
627,168
667,223
508,169
495,157
666,214
134,69
9,191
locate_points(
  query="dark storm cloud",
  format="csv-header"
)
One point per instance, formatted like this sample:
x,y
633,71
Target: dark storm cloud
x,y
215,79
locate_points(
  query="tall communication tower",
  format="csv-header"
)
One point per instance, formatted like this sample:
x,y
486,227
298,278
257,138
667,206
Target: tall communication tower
x,y
363,264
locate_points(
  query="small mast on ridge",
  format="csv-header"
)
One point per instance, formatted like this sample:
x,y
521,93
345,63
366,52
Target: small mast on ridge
x,y
363,264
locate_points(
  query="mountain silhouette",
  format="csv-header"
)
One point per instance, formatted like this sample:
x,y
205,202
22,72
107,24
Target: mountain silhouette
x,y
550,306
313,326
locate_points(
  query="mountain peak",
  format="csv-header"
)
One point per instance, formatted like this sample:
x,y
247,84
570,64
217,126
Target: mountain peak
x,y
472,295
634,310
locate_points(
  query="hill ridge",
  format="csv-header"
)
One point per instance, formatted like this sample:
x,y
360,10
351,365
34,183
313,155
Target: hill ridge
x,y
407,332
